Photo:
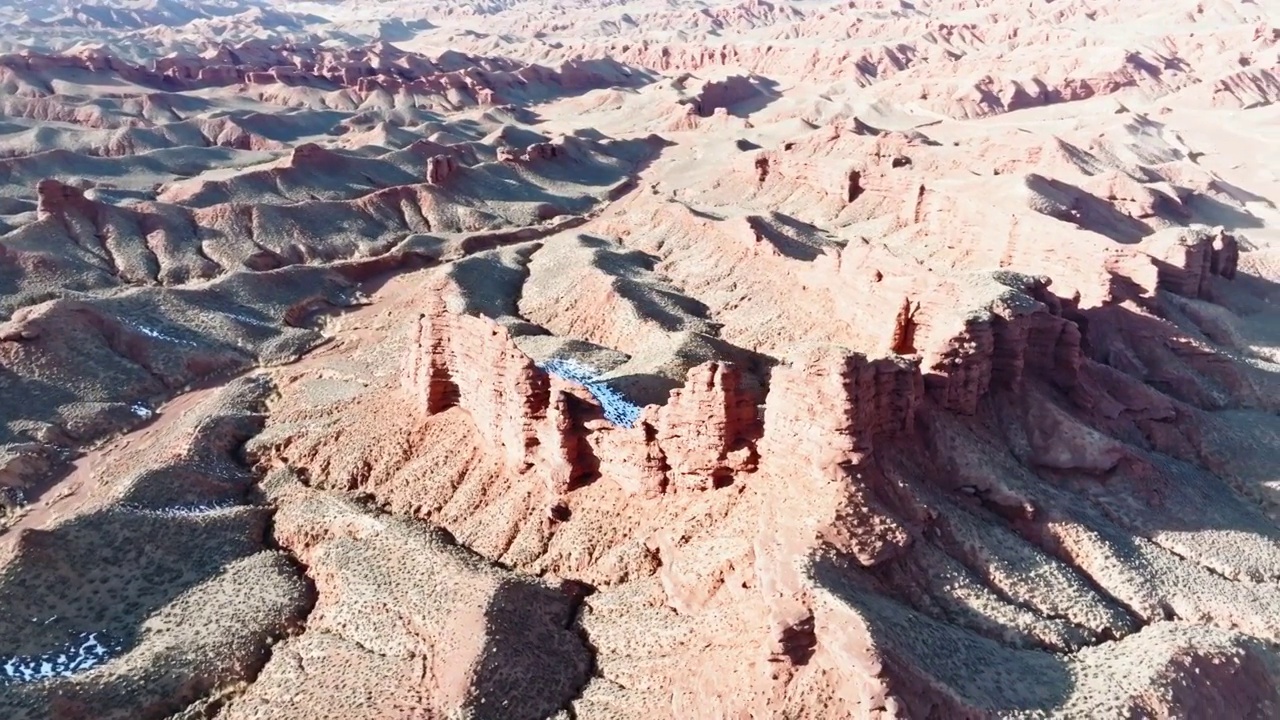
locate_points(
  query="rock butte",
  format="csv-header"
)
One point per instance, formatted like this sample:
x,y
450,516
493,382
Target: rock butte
x,y
512,359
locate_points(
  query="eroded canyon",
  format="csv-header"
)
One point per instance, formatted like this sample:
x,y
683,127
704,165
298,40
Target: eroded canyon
x,y
589,360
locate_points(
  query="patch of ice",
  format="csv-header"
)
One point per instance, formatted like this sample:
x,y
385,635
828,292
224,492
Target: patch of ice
x,y
617,408
87,651
150,332
249,321
179,511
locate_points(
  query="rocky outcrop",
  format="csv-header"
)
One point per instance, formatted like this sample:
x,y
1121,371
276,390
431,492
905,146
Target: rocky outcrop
x,y
1021,330
699,440
829,403
542,424
452,78
540,151
1186,258
824,491
721,94
310,154
824,408
972,332
707,428
223,132
439,168
823,412
631,457
821,418
473,362
532,153
843,170
56,197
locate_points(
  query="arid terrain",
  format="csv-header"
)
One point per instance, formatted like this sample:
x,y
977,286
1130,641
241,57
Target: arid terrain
x,y
596,360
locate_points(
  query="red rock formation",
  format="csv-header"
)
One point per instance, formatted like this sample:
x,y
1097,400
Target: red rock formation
x,y
971,332
308,154
1185,259
1024,331
762,168
823,487
631,457
451,80
684,117
224,132
904,329
56,198
707,427
440,167
843,170
825,408
540,151
473,362
531,153
697,441
218,75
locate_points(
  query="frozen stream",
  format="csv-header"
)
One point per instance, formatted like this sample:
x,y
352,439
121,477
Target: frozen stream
x,y
86,651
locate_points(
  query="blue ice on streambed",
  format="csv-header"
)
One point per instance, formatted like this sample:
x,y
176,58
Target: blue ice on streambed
x,y
152,332
617,408
84,652
180,511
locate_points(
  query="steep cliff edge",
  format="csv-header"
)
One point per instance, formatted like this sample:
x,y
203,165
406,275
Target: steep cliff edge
x,y
542,424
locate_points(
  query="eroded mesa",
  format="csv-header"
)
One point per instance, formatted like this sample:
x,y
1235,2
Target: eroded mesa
x,y
642,360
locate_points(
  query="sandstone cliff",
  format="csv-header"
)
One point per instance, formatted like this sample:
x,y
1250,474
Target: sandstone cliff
x,y
545,425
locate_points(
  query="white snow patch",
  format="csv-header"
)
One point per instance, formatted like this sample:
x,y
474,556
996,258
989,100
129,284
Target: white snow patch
x,y
250,321
150,332
85,652
617,408
178,511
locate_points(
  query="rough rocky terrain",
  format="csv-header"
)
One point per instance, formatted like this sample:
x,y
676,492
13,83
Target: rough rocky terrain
x,y
591,360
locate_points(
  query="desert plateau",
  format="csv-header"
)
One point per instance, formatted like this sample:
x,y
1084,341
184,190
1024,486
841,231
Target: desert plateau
x,y
646,360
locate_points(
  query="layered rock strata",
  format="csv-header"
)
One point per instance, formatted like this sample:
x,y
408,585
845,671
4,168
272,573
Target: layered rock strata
x,y
709,428
473,362
542,424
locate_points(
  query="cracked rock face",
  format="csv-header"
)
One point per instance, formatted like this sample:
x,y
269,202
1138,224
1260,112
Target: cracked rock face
x,y
638,361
